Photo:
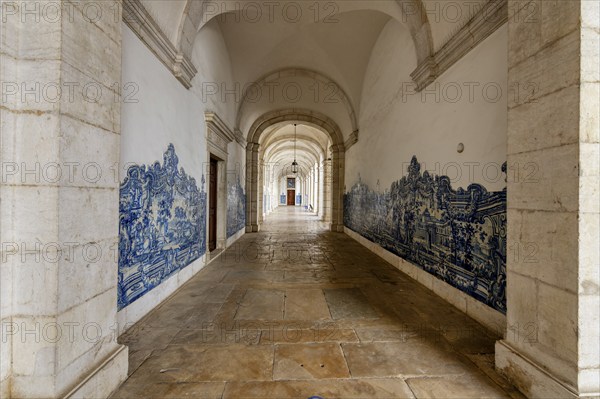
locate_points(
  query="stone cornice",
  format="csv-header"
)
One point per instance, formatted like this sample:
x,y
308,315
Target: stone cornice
x,y
485,22
239,137
352,139
143,25
252,147
217,131
215,123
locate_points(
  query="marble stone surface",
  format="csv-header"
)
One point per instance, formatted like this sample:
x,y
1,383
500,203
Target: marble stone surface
x,y
358,328
553,307
259,327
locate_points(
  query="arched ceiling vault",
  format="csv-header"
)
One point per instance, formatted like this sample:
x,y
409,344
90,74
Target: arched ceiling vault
x,y
285,130
410,12
302,142
333,91
286,153
332,38
278,148
316,120
327,41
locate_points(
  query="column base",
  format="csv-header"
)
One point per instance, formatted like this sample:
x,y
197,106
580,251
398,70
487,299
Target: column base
x,y
105,379
253,228
337,228
528,377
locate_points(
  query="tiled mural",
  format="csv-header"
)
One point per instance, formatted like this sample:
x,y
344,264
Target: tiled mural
x,y
457,235
162,225
236,207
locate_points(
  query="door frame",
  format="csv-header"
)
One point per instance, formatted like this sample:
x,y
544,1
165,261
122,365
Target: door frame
x,y
218,137
221,216
213,196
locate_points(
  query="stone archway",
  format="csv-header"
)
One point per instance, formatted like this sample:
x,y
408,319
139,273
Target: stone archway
x,y
339,93
336,167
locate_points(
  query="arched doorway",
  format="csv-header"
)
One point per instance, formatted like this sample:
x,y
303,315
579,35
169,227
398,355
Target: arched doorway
x,y
254,195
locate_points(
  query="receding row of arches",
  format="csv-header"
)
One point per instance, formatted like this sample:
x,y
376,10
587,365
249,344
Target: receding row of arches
x,y
321,164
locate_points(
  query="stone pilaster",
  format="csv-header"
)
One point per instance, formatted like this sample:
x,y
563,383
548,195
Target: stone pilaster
x,y
261,190
551,345
337,185
61,72
252,209
326,187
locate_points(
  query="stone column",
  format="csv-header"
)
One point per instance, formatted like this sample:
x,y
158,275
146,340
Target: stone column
x,y
261,190
337,184
316,172
60,141
304,190
326,187
252,166
551,344
312,187
321,172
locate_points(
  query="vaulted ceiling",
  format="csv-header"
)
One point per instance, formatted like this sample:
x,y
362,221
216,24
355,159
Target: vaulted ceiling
x,y
334,38
295,44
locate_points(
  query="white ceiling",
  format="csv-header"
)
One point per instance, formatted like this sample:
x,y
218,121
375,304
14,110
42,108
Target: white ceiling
x,y
236,43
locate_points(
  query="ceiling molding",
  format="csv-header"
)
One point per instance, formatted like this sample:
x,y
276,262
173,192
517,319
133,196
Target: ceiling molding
x,y
139,20
485,22
352,139
312,118
217,131
239,137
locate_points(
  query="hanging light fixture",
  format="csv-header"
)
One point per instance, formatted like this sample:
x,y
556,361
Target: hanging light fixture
x,y
294,164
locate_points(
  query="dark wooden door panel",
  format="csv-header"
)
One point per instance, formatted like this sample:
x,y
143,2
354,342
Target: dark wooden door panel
x,y
212,207
291,197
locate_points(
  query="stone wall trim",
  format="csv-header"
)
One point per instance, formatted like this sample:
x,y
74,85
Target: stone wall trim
x,y
101,382
488,317
535,382
485,22
143,25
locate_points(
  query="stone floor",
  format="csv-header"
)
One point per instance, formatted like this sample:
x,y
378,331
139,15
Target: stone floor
x,y
296,311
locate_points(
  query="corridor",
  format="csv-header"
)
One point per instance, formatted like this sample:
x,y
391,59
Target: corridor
x,y
296,311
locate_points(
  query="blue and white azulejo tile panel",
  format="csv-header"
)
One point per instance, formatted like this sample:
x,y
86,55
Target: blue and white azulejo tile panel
x,y
162,225
459,236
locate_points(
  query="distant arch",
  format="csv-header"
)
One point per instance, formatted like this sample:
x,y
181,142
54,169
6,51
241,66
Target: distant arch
x,y
334,168
282,73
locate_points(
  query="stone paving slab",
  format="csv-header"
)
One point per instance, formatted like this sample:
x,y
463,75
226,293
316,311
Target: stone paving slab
x,y
336,388
309,362
334,321
349,303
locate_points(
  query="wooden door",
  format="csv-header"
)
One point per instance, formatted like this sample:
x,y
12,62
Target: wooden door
x,y
212,206
291,197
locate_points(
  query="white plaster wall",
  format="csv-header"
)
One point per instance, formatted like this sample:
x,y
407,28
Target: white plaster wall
x,y
211,57
236,172
236,163
165,112
168,14
394,127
